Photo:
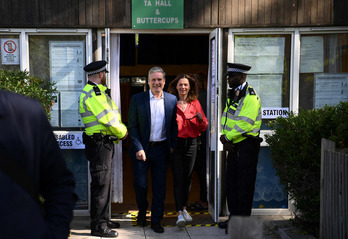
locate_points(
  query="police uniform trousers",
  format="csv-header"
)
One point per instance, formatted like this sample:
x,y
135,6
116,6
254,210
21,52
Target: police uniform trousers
x,y
241,176
99,154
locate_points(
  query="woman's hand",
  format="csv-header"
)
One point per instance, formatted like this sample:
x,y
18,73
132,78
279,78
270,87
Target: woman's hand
x,y
199,117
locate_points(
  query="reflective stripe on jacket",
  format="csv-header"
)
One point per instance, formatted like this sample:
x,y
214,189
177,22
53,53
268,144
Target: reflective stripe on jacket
x,y
242,117
99,113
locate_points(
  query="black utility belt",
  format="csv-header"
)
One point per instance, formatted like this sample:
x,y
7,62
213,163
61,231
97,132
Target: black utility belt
x,y
248,136
99,137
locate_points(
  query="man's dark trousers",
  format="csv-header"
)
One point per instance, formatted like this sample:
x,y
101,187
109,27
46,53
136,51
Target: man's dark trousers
x,y
99,154
157,160
241,176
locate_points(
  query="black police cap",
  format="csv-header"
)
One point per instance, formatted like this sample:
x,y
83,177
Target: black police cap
x,y
95,67
236,68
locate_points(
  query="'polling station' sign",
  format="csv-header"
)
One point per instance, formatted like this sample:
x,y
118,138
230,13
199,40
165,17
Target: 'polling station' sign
x,y
272,113
69,139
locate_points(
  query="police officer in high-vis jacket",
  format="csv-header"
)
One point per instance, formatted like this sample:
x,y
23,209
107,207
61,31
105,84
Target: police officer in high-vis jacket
x,y
103,128
240,122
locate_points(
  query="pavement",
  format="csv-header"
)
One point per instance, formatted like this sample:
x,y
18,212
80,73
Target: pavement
x,y
202,227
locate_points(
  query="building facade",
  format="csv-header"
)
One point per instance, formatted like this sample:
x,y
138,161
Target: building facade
x,y
298,51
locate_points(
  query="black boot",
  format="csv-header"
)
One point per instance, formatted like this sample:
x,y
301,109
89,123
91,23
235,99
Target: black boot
x,y
223,225
104,232
112,224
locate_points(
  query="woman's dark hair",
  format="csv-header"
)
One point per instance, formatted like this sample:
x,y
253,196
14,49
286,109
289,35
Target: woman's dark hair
x,y
193,92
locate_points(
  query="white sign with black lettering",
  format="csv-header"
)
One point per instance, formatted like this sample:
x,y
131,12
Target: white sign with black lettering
x,y
272,113
312,54
69,139
67,59
9,51
330,89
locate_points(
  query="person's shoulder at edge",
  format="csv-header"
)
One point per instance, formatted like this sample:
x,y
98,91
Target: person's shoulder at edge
x,y
16,95
21,101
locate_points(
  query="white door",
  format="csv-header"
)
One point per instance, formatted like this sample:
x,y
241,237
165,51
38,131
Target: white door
x,y
214,147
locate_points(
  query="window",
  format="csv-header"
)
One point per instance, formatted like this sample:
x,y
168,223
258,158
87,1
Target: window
x,y
269,56
323,70
61,59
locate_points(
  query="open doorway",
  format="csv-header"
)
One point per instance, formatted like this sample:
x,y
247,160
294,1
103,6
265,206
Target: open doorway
x,y
175,53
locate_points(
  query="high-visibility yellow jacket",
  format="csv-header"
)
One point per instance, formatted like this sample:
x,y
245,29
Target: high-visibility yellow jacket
x,y
242,117
99,113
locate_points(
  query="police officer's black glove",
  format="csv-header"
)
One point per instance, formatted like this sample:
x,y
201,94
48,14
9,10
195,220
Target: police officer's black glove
x,y
228,145
223,139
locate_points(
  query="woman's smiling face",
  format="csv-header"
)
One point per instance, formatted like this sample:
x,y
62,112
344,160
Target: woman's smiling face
x,y
183,87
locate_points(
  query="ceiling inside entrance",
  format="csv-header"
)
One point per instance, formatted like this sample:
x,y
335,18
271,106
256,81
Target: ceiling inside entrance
x,y
162,49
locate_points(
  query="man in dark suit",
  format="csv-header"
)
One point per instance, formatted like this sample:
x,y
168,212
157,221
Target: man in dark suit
x,y
31,164
153,132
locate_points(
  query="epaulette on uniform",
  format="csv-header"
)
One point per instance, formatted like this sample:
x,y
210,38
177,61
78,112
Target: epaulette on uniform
x,y
251,91
96,90
108,92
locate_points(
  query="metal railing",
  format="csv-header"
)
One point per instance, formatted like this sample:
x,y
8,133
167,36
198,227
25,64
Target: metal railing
x,y
333,192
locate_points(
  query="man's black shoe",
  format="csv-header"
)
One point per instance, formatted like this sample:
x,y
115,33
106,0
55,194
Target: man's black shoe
x,y
112,224
141,221
156,226
223,225
106,232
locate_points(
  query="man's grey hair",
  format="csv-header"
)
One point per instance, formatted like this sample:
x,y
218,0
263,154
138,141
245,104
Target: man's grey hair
x,y
156,69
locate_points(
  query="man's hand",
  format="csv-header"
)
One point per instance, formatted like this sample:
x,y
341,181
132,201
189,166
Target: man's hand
x,y
140,155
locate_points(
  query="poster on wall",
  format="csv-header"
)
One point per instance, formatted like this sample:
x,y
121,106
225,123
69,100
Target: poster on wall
x,y
67,59
330,89
312,54
268,87
70,116
9,51
263,54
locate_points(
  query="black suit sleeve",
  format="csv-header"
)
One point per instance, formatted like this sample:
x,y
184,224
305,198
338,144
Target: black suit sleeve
x,y
174,126
57,183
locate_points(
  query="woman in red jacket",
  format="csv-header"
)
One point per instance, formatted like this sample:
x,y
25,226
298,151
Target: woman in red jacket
x,y
191,122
